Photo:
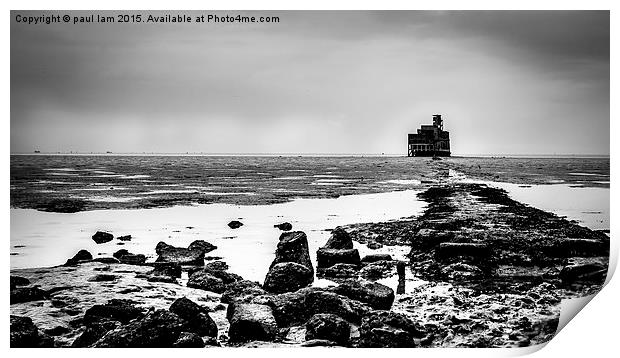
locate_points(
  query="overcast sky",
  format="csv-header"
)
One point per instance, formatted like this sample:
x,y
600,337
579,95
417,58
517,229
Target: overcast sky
x,y
316,82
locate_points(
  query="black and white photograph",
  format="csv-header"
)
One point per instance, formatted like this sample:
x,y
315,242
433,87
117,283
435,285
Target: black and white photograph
x,y
306,178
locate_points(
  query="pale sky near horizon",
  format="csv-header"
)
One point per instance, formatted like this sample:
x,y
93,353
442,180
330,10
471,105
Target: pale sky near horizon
x,y
513,82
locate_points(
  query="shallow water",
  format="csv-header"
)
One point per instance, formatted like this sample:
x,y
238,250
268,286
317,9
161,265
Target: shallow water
x,y
588,206
51,238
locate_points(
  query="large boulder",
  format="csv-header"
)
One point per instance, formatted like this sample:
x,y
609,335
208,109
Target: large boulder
x,y
328,327
329,257
374,294
197,317
81,256
297,307
293,247
24,334
287,277
242,291
27,294
158,329
101,237
206,281
251,322
388,330
114,310
340,239
179,255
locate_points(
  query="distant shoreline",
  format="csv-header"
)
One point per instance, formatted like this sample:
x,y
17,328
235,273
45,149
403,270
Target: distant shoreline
x,y
322,155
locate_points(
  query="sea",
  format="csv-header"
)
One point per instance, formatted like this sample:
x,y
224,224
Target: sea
x,y
59,201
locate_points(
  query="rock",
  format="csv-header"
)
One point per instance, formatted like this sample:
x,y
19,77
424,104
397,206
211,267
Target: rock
x,y
378,269
374,294
225,276
448,250
242,291
284,226
205,281
179,255
340,239
373,245
81,256
124,238
24,334
587,272
27,294
197,317
125,257
114,310
57,331
339,271
19,281
120,253
252,322
293,247
107,260
330,257
328,327
92,333
461,271
133,259
376,257
297,307
170,269
189,340
388,330
217,266
201,245
158,329
235,224
287,277
101,237
103,277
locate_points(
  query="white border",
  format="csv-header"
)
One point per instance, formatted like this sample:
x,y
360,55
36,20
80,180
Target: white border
x,y
593,332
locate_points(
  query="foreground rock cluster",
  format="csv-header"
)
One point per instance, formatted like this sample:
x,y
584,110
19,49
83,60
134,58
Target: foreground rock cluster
x,y
495,272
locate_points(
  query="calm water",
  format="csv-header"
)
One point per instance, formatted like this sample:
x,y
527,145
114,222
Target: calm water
x,y
129,182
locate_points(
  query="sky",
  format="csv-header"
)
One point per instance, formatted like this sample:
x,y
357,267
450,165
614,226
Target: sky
x,y
323,82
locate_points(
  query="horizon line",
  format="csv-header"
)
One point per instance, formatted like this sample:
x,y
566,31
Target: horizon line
x,y
288,154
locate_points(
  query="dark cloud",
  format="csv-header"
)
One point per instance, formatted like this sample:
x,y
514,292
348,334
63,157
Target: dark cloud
x,y
337,81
